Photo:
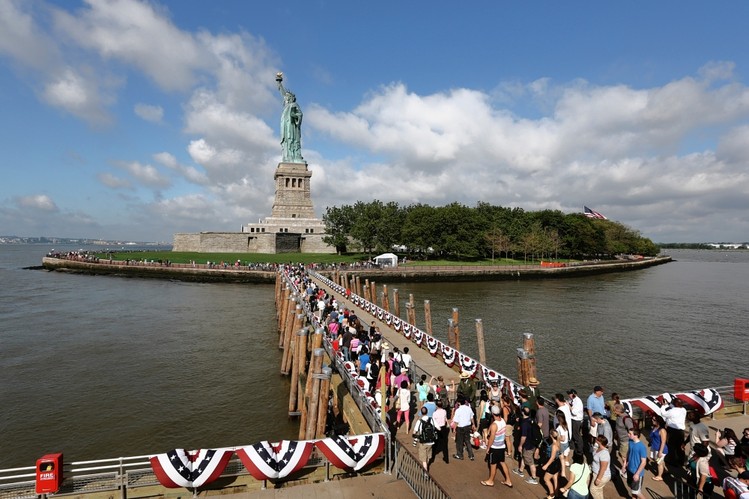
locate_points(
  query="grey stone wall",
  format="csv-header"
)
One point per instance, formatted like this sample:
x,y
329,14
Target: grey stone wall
x,y
244,242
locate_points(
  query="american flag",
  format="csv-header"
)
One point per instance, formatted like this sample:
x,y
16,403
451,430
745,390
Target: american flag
x,y
593,214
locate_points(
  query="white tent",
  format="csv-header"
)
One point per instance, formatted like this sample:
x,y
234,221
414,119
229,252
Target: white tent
x,y
386,260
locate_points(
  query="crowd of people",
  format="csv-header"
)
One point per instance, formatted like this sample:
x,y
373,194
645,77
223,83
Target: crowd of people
x,y
570,446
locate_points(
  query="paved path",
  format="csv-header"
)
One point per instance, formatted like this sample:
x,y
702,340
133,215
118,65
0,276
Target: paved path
x,y
462,479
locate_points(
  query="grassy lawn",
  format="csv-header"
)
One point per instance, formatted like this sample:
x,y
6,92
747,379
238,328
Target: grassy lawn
x,y
244,258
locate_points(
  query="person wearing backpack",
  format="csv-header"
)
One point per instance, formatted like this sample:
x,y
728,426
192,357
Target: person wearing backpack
x,y
425,435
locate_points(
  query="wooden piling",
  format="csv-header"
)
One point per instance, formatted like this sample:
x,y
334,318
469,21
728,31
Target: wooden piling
x,y
529,345
287,350
358,285
294,390
367,296
385,298
480,341
313,397
396,303
322,404
456,329
286,316
428,317
412,309
302,350
373,292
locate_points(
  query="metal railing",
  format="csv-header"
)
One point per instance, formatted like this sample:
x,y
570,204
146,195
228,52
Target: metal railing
x,y
411,471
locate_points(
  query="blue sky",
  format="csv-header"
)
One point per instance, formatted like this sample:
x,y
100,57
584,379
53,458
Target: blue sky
x,y
124,119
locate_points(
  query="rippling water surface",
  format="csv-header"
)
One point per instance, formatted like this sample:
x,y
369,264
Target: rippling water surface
x,y
104,367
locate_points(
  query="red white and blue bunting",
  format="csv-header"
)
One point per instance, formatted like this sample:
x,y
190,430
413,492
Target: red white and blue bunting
x,y
433,345
396,323
189,469
388,319
467,364
265,460
489,375
352,453
418,336
407,329
448,355
704,401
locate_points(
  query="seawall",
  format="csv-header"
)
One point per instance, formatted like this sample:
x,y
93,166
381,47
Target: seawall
x,y
202,273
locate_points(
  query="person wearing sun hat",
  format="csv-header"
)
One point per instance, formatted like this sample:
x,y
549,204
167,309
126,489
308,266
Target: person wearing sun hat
x,y
533,391
467,388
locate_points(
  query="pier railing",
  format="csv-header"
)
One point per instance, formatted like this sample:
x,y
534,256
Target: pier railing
x,y
123,474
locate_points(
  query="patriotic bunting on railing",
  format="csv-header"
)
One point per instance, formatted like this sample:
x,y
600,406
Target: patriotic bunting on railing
x,y
367,306
407,329
265,460
352,453
704,401
350,367
380,313
355,300
193,469
448,354
388,319
467,364
489,375
418,336
433,345
396,323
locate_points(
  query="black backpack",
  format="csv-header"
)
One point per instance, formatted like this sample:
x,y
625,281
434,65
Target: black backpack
x,y
396,367
427,432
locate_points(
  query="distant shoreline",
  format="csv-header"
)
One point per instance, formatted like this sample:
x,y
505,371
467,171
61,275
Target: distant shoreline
x,y
200,273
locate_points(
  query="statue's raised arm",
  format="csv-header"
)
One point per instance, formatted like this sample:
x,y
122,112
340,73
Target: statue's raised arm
x,y
291,125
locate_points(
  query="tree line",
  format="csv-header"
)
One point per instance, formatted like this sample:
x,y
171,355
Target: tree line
x,y
456,231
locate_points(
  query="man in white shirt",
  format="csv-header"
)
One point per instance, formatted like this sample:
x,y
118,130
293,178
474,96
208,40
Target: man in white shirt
x,y
576,411
463,419
676,422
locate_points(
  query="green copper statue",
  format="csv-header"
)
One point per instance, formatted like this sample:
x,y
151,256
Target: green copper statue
x,y
291,125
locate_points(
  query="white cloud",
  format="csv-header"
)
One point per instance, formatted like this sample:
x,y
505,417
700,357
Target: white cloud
x,y
139,34
37,202
79,94
113,181
150,113
190,173
22,38
146,175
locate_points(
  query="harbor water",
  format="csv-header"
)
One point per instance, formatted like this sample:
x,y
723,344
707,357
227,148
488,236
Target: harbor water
x,y
100,367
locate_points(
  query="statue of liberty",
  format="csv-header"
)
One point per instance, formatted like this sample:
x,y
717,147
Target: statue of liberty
x,y
291,125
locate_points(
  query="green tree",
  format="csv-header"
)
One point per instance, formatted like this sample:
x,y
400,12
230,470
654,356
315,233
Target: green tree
x,y
338,223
